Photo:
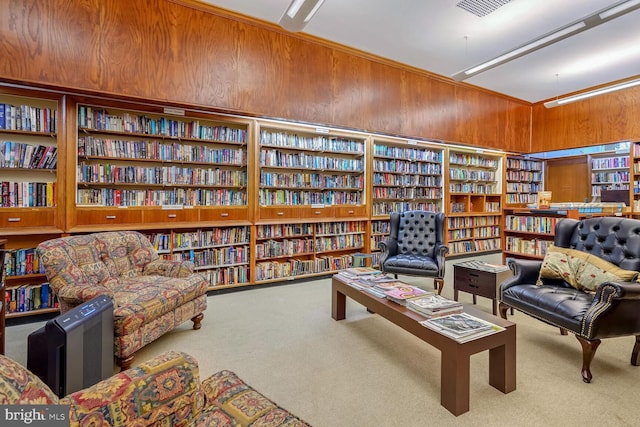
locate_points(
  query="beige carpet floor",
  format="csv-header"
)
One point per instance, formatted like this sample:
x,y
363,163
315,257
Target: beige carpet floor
x,y
365,371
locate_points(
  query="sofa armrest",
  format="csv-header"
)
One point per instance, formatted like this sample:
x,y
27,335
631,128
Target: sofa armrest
x,y
613,311
165,390
168,268
73,292
524,271
441,252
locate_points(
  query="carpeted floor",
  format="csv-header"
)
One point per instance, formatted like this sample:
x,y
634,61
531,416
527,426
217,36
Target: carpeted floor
x,y
365,371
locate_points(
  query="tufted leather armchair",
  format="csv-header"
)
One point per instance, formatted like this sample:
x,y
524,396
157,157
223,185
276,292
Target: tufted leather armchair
x,y
415,246
612,311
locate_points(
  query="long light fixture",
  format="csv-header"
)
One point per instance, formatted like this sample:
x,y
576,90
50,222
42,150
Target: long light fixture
x,y
586,23
299,13
591,93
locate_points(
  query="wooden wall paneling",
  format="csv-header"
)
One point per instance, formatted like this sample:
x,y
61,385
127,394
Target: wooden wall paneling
x,y
428,107
568,179
599,120
181,53
283,76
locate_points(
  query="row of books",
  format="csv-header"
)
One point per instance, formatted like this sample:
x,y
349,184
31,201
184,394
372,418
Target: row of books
x,y
311,180
306,142
175,196
27,156
27,118
412,153
29,297
407,193
385,208
276,158
269,197
166,175
160,151
404,167
20,262
406,180
21,194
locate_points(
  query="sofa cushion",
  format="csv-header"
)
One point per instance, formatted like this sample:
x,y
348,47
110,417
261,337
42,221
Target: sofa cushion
x,y
581,270
225,390
18,386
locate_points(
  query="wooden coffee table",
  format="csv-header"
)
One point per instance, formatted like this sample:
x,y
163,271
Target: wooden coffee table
x,y
455,357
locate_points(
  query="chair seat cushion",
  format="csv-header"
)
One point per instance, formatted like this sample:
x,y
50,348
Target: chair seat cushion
x,y
411,262
559,305
142,299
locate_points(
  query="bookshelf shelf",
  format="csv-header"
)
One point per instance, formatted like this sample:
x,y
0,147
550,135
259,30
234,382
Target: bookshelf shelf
x,y
524,177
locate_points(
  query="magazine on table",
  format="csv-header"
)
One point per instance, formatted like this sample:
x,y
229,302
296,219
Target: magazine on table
x,y
400,294
462,327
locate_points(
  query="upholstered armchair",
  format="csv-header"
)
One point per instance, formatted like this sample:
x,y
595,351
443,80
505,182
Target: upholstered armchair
x,y
164,391
415,246
151,296
586,284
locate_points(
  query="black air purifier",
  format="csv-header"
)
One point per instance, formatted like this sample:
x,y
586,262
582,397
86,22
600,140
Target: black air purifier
x,y
74,350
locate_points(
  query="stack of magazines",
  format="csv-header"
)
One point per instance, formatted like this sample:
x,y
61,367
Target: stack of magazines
x,y
400,294
434,305
462,327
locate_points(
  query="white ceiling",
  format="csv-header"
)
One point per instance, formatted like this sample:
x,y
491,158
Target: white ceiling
x,y
438,36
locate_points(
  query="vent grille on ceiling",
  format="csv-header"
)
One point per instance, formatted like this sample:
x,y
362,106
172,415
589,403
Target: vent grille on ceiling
x,y
481,8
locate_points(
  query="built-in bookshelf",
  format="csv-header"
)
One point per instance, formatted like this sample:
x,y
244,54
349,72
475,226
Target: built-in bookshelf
x,y
609,173
406,175
137,166
474,202
529,232
305,171
299,250
523,180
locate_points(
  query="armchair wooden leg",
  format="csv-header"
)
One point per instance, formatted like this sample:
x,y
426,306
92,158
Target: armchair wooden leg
x,y
125,362
635,352
502,308
438,284
196,321
589,348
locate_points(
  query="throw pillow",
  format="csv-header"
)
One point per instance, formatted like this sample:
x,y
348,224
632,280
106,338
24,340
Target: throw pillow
x,y
581,270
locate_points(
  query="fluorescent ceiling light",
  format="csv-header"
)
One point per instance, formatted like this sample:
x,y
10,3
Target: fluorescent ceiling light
x,y
596,92
299,13
619,8
528,47
584,24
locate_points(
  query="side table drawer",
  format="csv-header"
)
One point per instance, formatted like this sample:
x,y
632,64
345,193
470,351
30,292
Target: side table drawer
x,y
481,283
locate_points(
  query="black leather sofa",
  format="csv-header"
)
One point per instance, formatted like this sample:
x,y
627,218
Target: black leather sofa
x,y
612,311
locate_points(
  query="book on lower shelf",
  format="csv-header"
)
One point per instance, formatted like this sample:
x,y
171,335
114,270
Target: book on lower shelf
x,y
434,305
462,327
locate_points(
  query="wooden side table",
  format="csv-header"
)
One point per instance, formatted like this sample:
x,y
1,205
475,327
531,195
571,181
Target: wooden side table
x,y
479,279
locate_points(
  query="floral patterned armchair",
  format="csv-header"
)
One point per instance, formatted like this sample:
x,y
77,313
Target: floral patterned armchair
x,y
164,391
151,296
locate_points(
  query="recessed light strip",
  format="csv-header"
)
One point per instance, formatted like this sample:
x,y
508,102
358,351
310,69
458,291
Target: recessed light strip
x,y
585,95
528,47
584,24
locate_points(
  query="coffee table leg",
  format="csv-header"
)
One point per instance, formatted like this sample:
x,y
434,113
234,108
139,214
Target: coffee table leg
x,y
502,363
454,382
338,304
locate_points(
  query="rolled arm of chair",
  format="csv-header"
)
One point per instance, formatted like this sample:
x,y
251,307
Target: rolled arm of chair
x,y
168,268
524,271
72,291
441,251
387,248
143,393
613,311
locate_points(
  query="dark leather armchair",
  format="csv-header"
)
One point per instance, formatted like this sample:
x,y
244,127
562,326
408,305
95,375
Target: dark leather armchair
x,y
415,246
612,311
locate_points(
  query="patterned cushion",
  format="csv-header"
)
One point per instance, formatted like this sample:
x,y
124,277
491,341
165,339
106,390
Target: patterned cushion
x,y
164,390
580,269
225,390
19,386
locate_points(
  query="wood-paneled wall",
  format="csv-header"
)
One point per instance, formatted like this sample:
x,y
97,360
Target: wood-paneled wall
x,y
599,120
181,52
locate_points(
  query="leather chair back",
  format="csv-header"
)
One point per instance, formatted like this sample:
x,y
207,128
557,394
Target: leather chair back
x,y
613,239
418,232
